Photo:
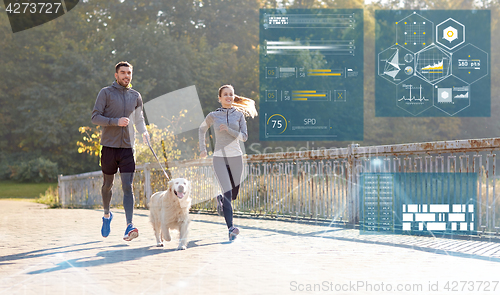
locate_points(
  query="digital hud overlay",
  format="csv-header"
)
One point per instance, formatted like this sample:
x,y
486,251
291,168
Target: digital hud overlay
x,y
433,63
311,74
418,203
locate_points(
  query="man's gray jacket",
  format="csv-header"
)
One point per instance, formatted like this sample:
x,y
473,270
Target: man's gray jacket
x,y
112,103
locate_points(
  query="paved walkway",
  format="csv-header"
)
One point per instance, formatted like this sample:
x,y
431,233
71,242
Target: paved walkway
x,y
60,251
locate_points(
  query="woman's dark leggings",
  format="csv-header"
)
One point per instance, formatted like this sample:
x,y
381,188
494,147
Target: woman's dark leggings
x,y
228,171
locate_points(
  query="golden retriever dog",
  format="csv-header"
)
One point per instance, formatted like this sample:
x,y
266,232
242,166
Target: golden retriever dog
x,y
170,210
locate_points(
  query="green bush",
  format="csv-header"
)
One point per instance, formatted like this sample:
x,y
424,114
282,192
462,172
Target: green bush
x,y
36,170
5,163
50,197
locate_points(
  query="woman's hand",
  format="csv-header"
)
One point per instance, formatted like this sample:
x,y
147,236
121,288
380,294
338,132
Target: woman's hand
x,y
223,127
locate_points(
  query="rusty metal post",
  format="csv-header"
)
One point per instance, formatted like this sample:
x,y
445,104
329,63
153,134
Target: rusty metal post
x,y
352,188
494,193
147,184
61,187
488,190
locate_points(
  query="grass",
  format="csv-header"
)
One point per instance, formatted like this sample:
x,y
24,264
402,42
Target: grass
x,y
22,191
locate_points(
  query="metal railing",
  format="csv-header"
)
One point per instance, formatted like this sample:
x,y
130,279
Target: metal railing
x,y
316,184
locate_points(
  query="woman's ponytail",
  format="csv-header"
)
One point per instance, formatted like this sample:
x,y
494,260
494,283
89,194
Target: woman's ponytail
x,y
245,105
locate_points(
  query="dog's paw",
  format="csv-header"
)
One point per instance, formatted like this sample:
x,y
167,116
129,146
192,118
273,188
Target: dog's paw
x,y
181,247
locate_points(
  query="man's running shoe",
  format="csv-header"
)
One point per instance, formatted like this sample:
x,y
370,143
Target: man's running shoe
x,y
220,205
106,222
131,233
233,232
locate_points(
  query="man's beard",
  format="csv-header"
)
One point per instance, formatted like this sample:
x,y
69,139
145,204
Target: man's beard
x,y
123,83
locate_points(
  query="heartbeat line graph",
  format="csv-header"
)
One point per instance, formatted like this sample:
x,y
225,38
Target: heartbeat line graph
x,y
411,98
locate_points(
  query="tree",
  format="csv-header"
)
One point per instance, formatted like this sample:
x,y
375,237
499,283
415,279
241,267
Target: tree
x,y
51,74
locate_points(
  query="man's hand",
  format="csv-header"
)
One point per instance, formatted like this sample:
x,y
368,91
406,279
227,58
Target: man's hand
x,y
145,137
203,154
123,121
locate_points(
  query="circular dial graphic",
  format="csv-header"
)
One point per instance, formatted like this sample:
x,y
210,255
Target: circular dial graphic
x,y
276,124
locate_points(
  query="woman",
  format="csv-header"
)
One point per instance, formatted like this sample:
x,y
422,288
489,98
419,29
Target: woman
x,y
230,128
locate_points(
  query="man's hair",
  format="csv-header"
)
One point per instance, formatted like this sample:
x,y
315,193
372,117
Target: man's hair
x,y
123,64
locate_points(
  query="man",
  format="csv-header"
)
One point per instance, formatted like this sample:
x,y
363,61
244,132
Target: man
x,y
117,108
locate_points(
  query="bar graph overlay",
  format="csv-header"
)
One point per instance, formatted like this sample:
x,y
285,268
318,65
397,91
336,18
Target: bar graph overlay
x,y
310,95
311,74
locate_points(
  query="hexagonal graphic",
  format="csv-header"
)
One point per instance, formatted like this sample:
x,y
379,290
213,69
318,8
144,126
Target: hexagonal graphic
x,y
414,32
450,34
470,63
444,95
433,64
452,95
414,95
396,64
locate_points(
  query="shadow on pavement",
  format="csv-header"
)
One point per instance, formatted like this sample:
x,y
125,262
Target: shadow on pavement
x,y
105,257
317,234
47,252
115,256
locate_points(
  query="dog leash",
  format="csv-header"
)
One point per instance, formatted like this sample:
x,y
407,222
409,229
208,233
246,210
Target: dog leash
x,y
149,144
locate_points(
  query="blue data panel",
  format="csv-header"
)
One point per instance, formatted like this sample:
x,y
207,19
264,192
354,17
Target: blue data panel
x,y
311,74
418,203
432,63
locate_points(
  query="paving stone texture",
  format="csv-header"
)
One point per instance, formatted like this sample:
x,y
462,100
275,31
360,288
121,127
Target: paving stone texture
x,y
61,251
